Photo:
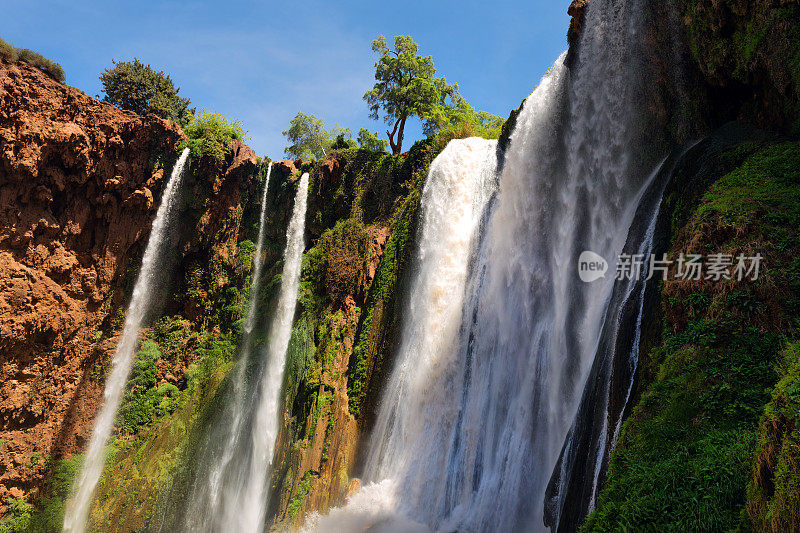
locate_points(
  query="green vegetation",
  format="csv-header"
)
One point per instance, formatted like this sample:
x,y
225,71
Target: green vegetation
x,y
149,455
34,59
48,514
773,496
137,87
144,402
461,120
405,86
754,45
368,140
310,139
296,504
685,457
210,134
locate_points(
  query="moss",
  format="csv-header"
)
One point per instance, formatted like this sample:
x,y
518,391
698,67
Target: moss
x,y
752,50
144,466
685,456
773,495
303,488
382,293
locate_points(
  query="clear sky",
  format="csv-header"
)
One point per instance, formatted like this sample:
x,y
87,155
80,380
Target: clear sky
x,y
261,62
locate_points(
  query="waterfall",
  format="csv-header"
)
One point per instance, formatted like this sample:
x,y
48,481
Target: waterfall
x,y
258,264
230,488
469,434
77,509
459,184
221,444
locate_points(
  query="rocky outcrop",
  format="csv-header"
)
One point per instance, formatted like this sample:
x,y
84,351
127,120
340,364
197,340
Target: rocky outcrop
x,y
79,180
748,52
576,10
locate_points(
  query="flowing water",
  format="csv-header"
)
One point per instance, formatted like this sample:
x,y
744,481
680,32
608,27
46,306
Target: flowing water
x,y
476,413
459,184
78,506
230,488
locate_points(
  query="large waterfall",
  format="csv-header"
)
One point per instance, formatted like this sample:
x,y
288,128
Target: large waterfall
x,y
459,184
77,510
230,488
475,416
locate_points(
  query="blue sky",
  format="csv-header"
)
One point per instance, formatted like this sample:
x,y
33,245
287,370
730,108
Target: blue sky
x,y
261,62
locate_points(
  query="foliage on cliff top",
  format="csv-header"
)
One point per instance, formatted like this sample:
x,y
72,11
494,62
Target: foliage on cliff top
x,y
308,137
35,59
685,455
210,134
137,87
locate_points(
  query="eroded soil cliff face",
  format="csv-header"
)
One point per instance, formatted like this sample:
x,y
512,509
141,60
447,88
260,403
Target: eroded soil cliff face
x,y
79,183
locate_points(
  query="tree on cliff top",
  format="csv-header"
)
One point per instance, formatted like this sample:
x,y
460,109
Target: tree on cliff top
x,y
309,138
404,86
134,86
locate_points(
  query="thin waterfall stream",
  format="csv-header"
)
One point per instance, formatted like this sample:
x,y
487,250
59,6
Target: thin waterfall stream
x,y
77,510
229,492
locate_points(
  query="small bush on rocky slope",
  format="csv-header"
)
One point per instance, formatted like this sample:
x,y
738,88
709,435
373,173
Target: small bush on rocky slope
x,y
34,59
7,52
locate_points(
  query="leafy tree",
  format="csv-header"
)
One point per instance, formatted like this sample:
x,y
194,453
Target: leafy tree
x,y
459,116
211,134
134,86
370,141
343,142
309,138
404,86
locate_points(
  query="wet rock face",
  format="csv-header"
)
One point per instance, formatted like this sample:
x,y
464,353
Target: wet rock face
x,y
576,10
79,184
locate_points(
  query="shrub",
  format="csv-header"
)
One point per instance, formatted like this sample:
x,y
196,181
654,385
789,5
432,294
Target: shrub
x,y
343,143
18,515
8,52
143,402
37,60
210,134
137,87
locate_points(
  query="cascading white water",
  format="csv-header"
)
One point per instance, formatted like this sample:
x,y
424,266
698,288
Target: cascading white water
x,y
230,492
77,509
469,443
258,264
459,183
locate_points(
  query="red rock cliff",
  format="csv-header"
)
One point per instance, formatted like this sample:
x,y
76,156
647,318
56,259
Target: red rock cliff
x,y
79,185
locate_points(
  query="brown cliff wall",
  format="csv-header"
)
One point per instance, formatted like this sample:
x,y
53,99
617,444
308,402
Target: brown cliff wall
x,y
79,180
